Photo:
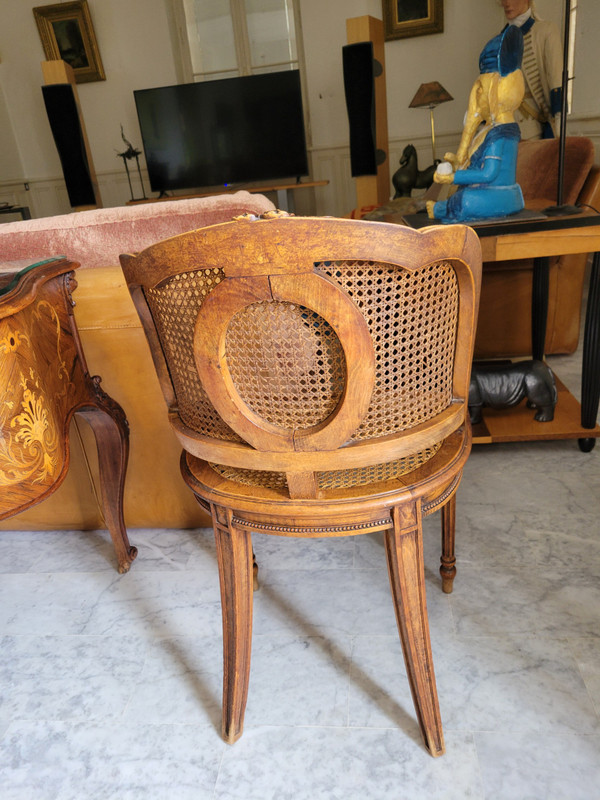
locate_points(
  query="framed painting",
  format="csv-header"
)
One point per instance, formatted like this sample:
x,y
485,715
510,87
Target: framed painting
x,y
404,18
67,33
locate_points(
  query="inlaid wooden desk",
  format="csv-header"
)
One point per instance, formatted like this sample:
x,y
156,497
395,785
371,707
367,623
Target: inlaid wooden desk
x,y
45,381
541,238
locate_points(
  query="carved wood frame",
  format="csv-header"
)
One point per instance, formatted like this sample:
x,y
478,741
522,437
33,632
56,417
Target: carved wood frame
x,y
398,26
77,13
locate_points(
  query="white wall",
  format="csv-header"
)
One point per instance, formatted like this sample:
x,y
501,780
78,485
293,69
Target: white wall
x,y
137,47
10,160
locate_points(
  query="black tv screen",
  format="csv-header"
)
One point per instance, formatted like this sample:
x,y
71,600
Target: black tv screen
x,y
229,131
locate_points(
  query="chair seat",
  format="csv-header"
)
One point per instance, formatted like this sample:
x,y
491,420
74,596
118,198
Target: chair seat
x,y
262,497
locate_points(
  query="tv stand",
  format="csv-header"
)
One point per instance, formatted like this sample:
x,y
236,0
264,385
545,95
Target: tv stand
x,y
284,191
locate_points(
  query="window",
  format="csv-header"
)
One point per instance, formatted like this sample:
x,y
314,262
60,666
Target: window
x,y
226,38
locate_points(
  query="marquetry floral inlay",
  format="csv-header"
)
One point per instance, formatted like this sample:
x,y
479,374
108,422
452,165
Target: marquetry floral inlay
x,y
30,439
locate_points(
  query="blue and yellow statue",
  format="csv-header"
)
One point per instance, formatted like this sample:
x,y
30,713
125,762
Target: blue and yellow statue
x,y
488,148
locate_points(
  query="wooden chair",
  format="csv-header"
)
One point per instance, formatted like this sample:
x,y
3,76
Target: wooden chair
x,y
316,373
45,382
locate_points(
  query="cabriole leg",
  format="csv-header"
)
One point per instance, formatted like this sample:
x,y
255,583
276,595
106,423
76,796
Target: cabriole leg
x,y
111,431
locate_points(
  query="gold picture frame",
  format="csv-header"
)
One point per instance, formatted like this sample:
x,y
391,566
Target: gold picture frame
x,y
67,33
404,18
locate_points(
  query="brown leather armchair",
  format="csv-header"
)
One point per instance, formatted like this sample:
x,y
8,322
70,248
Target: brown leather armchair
x,y
504,327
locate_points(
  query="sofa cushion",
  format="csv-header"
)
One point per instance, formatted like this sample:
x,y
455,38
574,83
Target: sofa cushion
x,y
537,168
97,237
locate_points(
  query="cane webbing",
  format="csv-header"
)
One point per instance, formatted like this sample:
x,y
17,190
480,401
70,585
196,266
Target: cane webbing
x,y
412,318
332,479
174,305
287,363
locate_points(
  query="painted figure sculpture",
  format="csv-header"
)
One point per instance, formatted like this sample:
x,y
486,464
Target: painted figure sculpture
x,y
538,116
484,167
506,386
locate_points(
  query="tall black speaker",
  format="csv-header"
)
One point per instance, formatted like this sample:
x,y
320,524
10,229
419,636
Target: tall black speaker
x,y
63,116
359,87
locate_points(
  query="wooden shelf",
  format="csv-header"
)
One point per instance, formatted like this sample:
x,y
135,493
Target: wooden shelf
x,y
517,424
276,187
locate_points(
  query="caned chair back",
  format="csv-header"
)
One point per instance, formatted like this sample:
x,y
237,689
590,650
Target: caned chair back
x,y
311,352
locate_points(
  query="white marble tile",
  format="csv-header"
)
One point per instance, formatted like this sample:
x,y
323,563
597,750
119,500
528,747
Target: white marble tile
x,y
282,552
75,551
67,677
492,539
516,599
156,603
298,681
519,684
181,683
41,604
544,767
18,550
166,550
93,551
587,655
159,604
60,761
544,480
379,690
331,602
345,764
513,683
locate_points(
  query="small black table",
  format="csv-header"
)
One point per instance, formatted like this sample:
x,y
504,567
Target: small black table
x,y
22,210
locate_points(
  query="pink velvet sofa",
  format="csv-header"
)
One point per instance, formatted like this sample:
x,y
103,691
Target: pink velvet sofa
x,y
116,349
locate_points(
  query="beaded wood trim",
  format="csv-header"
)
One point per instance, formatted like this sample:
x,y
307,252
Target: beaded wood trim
x,y
332,479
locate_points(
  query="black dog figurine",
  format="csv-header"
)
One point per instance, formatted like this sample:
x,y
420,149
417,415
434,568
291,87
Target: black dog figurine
x,y
503,387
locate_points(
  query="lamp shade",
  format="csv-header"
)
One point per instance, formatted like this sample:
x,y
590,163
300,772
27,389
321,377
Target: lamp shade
x,y
430,95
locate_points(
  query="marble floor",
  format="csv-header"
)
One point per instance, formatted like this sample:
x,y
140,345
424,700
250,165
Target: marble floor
x,y
110,685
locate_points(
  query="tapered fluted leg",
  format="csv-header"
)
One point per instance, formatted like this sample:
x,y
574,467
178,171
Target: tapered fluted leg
x,y
448,560
404,550
111,431
234,553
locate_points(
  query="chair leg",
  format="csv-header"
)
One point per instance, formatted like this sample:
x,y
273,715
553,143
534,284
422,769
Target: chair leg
x,y
234,554
256,582
404,551
111,431
448,559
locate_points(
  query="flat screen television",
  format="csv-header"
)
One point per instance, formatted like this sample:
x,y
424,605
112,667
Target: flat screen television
x,y
223,132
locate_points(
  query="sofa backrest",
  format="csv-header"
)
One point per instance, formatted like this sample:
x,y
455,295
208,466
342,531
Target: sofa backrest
x,y
97,237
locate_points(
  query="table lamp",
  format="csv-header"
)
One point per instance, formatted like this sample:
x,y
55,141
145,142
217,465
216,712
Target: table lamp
x,y
430,95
